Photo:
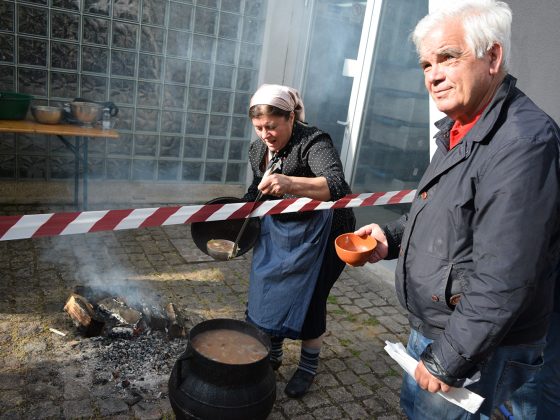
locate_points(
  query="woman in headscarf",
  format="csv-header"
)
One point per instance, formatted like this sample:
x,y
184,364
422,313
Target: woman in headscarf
x,y
294,260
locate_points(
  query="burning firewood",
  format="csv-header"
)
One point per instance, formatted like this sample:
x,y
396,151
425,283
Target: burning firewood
x,y
98,313
121,320
154,317
83,315
176,322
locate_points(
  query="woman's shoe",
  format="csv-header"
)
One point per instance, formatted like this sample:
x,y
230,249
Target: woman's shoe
x,y
299,384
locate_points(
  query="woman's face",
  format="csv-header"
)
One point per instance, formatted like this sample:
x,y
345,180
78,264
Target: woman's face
x,y
275,131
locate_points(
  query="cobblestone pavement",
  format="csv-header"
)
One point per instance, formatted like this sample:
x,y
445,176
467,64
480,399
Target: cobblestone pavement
x,y
47,375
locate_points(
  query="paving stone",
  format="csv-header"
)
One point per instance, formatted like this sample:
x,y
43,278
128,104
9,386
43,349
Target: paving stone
x,y
393,382
112,406
355,411
10,399
339,395
347,377
357,366
11,414
43,410
326,380
329,412
293,408
335,365
74,390
276,415
359,390
146,412
388,395
315,399
305,417
77,409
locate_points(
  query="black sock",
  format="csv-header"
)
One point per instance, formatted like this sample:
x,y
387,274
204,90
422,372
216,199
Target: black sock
x,y
309,360
276,351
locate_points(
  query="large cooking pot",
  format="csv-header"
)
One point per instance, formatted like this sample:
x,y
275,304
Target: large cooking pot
x,y
203,388
202,232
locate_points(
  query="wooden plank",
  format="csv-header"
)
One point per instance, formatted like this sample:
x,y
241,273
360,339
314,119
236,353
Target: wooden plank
x,y
32,127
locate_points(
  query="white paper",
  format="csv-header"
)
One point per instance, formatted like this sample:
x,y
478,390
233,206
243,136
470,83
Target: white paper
x,y
460,396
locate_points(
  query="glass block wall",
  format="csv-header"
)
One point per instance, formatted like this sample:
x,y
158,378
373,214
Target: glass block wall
x,y
181,73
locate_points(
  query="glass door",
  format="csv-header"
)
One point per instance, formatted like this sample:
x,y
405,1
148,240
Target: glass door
x,y
332,48
391,124
368,93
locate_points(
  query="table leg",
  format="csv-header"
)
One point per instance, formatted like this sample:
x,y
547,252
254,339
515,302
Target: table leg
x,y
76,172
75,149
85,175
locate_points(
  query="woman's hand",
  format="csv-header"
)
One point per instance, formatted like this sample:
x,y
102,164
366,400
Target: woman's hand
x,y
382,249
276,185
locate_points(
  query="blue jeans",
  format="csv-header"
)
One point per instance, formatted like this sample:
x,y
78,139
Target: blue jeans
x,y
501,374
540,398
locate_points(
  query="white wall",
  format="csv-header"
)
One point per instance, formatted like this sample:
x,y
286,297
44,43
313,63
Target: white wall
x,y
535,55
285,41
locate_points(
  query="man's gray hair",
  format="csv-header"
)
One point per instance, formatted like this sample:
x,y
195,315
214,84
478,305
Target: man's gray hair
x,y
485,22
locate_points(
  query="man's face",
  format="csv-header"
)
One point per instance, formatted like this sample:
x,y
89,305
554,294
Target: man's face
x,y
459,83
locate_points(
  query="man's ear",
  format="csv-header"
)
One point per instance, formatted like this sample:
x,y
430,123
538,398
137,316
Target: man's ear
x,y
495,55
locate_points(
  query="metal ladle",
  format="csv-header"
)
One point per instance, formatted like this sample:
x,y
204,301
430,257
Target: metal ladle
x,y
223,249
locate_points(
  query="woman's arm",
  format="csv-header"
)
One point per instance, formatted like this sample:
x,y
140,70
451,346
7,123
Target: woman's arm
x,y
277,185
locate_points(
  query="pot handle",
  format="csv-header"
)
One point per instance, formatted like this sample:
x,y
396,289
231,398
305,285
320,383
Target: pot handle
x,y
187,354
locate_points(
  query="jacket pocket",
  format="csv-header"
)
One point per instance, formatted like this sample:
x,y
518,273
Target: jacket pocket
x,y
456,285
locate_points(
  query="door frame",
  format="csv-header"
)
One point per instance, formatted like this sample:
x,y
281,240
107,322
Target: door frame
x,y
362,69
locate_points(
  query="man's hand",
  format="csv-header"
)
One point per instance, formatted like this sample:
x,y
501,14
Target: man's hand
x,y
382,248
427,381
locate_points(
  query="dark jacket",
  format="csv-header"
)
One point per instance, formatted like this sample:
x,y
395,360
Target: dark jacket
x,y
309,153
478,248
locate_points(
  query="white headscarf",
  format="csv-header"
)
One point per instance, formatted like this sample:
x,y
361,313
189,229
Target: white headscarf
x,y
283,97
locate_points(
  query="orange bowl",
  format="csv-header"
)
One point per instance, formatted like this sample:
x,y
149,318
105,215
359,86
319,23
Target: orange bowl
x,y
353,249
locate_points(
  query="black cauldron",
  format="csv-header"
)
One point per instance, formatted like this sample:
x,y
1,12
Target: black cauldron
x,y
201,388
202,232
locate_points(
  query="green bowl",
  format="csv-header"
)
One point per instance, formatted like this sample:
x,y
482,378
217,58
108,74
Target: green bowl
x,y
14,106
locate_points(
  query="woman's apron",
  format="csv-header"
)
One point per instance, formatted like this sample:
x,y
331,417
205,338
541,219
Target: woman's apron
x,y
287,259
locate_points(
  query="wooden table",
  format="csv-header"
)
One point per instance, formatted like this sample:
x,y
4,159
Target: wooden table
x,y
62,131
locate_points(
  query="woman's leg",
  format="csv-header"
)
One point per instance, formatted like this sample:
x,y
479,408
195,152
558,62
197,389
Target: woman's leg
x,y
314,326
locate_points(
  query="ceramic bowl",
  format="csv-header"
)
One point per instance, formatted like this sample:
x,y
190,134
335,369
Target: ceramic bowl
x,y
353,249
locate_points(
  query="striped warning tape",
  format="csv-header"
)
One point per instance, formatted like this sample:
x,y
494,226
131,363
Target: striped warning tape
x,y
54,224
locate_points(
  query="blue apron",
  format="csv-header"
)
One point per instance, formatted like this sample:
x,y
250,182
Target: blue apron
x,y
287,259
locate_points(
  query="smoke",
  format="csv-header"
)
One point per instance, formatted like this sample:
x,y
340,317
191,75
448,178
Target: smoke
x,y
98,261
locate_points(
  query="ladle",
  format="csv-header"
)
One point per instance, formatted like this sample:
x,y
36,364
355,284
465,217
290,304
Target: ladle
x,y
223,249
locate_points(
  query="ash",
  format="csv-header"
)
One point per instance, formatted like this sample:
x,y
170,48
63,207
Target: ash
x,y
142,363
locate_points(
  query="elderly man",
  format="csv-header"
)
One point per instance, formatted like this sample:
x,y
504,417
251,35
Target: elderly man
x,y
477,250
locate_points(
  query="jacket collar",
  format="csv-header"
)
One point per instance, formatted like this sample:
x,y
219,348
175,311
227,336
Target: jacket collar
x,y
486,121
444,160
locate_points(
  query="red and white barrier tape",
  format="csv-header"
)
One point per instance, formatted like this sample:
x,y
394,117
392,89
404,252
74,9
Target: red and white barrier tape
x,y
54,224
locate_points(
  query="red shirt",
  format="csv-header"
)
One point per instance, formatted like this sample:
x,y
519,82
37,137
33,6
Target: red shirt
x,y
458,131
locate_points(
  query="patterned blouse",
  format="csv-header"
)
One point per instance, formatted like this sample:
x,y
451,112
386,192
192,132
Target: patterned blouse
x,y
309,153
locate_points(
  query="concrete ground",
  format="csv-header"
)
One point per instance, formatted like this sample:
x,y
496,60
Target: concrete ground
x,y
47,375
